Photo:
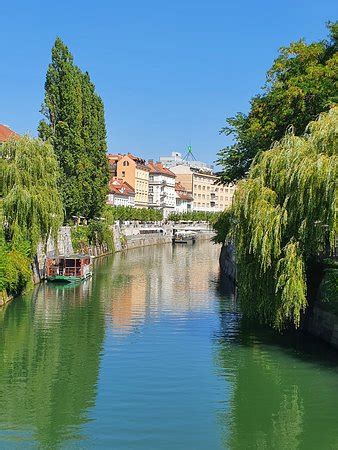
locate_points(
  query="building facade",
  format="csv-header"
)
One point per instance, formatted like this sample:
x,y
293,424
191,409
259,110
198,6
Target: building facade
x,y
184,200
120,193
207,195
162,194
134,171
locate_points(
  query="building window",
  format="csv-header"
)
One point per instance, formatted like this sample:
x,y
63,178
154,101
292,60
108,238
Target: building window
x,y
126,163
123,173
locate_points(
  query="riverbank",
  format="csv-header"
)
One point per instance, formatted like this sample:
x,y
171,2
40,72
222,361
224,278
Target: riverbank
x,y
126,236
321,319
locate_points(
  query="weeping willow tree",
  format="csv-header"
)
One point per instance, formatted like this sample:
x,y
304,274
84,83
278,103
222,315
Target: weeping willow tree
x,y
282,218
30,207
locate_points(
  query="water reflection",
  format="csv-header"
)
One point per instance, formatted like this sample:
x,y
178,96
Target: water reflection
x,y
153,353
284,388
156,280
50,349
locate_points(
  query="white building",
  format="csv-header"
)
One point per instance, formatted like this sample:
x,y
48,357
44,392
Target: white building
x,y
162,194
184,199
120,193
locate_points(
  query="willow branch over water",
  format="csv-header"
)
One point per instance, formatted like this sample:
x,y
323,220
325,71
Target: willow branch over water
x,y
281,219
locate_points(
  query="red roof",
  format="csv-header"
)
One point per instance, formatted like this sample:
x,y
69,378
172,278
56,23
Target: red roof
x,y
6,133
182,192
160,169
119,187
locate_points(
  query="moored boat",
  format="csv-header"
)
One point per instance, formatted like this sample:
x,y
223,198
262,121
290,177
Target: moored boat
x,y
184,237
68,269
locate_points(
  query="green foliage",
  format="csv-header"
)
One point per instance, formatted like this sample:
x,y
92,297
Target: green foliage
x,y
222,226
100,233
130,213
329,290
123,240
97,232
80,238
75,125
32,206
195,216
30,209
301,84
280,220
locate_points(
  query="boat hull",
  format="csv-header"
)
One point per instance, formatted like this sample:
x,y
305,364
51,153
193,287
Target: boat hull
x,y
67,279
184,241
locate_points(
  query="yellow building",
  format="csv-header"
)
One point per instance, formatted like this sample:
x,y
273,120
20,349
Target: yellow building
x,y
208,195
135,172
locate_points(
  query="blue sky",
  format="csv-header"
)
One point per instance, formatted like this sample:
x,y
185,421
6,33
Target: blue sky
x,y
169,73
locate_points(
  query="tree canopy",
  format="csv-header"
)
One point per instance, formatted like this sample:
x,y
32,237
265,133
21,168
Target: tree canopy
x,y
75,125
30,206
301,84
280,220
132,213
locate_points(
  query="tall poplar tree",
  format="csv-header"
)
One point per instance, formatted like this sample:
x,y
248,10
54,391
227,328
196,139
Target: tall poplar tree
x,y
75,125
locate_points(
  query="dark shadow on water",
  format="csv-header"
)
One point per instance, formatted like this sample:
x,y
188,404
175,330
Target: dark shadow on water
x,y
283,386
250,333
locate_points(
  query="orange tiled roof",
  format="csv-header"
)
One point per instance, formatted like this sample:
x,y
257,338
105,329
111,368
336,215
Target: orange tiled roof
x,y
119,187
184,196
140,162
182,192
6,133
159,168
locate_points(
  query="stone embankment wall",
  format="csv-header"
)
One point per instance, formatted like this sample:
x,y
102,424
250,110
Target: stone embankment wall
x,y
324,324
63,246
227,262
323,319
125,236
128,236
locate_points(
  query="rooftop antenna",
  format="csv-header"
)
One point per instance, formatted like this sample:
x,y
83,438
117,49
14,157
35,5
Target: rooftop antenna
x,y
189,156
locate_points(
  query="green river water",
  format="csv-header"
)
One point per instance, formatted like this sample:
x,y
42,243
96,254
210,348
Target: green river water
x,y
151,353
